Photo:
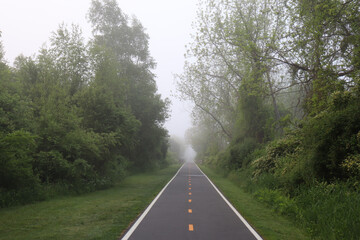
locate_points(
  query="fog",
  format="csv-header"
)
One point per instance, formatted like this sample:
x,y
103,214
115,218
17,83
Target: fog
x,y
27,25
189,155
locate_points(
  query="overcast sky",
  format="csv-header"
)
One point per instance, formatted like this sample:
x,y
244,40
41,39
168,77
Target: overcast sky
x,y
27,24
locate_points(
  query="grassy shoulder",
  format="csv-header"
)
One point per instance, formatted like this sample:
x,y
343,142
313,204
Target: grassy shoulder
x,y
267,223
97,215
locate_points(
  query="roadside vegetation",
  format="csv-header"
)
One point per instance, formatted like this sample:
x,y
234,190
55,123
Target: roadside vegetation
x,y
275,88
102,214
262,218
80,116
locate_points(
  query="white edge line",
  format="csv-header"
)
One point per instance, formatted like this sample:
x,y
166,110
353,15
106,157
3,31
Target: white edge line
x,y
256,235
138,221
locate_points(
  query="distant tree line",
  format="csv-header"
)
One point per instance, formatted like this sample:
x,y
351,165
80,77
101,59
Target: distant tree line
x,y
275,88
177,149
80,114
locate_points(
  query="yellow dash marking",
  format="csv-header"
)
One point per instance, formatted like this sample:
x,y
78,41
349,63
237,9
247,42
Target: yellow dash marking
x,y
189,193
190,200
189,188
191,227
189,184
190,210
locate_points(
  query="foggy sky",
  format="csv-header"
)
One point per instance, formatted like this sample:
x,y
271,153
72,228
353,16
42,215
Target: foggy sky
x,y
27,25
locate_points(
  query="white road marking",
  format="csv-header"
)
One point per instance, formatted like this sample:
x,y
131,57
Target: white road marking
x,y
256,235
136,224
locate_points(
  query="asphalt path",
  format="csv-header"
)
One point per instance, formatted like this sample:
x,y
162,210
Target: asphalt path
x,y
190,207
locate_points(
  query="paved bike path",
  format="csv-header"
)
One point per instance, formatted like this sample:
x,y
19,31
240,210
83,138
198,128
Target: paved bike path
x,y
189,207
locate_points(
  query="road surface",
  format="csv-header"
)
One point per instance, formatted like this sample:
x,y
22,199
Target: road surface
x,y
190,207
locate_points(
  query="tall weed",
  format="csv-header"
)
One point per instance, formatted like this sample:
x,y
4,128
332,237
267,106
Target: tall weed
x,y
330,211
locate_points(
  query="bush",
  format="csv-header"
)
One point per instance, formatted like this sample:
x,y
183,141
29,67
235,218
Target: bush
x,y
21,196
277,201
332,136
239,152
352,165
274,151
16,155
51,166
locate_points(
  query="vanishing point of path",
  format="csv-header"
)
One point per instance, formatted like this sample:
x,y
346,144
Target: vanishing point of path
x,y
190,207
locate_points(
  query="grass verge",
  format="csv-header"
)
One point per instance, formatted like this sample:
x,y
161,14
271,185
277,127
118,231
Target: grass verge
x,y
265,221
98,215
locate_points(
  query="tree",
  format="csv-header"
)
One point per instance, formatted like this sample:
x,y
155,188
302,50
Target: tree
x,y
127,43
232,79
1,50
319,48
70,58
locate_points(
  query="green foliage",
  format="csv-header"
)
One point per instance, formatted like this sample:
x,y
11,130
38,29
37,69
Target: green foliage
x,y
262,217
18,182
277,201
238,153
330,211
331,136
98,215
352,165
16,171
286,173
274,152
78,116
132,62
51,166
292,70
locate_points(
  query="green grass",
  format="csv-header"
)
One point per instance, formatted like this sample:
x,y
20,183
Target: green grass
x,y
265,221
98,215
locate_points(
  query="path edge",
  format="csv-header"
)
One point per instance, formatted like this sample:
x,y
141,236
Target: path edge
x,y
138,221
251,229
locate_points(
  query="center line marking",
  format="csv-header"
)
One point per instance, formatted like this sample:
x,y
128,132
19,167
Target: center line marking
x,y
189,200
190,210
189,193
191,227
189,188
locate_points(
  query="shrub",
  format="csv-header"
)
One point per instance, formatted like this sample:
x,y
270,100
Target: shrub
x,y
51,166
18,183
17,150
239,152
352,165
277,201
332,136
275,150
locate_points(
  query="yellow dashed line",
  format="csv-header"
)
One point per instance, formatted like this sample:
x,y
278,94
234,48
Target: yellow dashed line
x,y
190,200
190,210
189,188
191,227
189,193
